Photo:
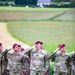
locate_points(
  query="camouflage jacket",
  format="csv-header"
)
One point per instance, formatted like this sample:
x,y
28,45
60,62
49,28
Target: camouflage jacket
x,y
62,61
38,61
14,62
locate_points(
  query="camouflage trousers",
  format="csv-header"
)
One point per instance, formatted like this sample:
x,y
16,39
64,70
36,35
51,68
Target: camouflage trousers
x,y
62,73
32,72
14,73
3,68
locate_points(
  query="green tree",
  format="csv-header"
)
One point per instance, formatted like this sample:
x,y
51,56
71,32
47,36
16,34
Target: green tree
x,y
20,2
33,2
72,2
26,2
56,1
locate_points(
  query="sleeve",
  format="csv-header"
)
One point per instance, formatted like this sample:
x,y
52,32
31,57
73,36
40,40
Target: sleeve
x,y
47,63
9,65
29,49
52,56
72,54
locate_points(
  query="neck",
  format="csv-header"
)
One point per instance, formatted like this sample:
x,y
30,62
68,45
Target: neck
x,y
37,49
15,52
63,52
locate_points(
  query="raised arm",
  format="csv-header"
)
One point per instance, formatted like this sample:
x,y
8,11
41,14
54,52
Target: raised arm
x,y
72,54
28,49
53,53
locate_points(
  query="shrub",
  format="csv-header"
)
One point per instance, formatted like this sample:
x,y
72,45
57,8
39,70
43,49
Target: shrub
x,y
1,4
6,3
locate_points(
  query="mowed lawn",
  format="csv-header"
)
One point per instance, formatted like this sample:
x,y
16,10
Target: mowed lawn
x,y
32,14
68,16
51,33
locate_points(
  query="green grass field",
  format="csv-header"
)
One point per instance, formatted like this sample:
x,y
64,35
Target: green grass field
x,y
50,25
32,14
51,33
69,16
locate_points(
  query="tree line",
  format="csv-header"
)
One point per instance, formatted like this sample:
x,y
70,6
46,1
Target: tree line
x,y
22,2
34,2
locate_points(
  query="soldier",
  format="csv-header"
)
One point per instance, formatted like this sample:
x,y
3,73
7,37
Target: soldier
x,y
61,60
2,61
73,68
14,61
46,61
73,65
25,63
37,65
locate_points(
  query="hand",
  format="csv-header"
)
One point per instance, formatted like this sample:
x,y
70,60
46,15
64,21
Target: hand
x,y
57,49
33,46
46,73
22,73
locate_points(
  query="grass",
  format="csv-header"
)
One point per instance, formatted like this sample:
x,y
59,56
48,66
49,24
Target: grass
x,y
32,14
70,16
30,9
51,33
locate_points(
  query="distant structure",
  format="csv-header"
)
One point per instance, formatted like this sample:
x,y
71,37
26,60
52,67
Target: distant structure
x,y
41,3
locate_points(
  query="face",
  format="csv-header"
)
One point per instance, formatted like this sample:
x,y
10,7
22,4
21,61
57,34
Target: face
x,y
19,48
62,49
38,46
41,46
1,47
16,48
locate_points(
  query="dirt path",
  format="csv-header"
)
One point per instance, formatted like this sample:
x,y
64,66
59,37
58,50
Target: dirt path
x,y
7,40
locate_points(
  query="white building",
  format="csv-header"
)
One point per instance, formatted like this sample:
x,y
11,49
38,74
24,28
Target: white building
x,y
43,2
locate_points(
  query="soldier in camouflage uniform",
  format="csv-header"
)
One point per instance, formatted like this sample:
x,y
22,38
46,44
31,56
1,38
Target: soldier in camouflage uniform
x,y
38,65
2,61
73,68
61,60
73,65
26,66
14,61
25,63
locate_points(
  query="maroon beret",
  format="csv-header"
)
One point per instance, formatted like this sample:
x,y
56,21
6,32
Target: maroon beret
x,y
14,45
37,42
19,45
41,43
61,45
22,49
